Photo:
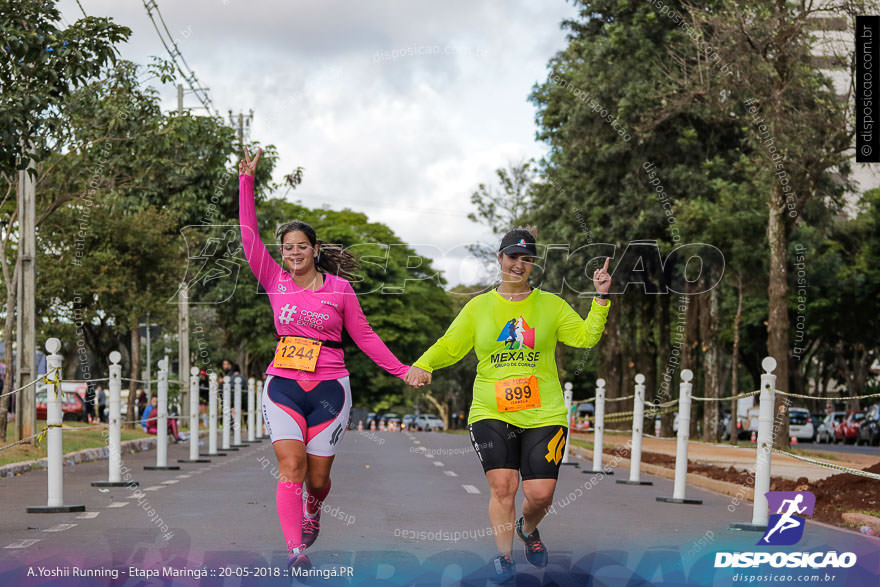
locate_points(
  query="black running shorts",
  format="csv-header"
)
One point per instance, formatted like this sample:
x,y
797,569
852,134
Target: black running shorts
x,y
535,452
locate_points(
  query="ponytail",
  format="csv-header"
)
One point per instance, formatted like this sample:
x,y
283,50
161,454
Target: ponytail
x,y
335,260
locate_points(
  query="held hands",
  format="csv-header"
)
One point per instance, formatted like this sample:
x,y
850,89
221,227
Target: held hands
x,y
248,166
602,279
417,377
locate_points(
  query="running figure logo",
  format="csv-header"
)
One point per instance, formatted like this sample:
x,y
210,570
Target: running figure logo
x,y
786,526
516,334
286,315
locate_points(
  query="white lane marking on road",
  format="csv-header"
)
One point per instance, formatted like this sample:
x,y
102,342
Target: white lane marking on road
x,y
438,464
471,489
170,482
23,543
154,488
88,515
118,504
184,476
417,442
450,473
429,456
59,528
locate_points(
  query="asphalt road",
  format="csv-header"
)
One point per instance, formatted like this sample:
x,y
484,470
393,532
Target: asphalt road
x,y
862,450
405,509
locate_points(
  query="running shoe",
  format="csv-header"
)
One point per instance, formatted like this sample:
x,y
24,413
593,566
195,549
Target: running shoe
x,y
535,551
505,570
311,527
297,558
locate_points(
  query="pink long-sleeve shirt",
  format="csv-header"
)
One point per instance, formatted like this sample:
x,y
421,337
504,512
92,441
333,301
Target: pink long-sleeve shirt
x,y
320,314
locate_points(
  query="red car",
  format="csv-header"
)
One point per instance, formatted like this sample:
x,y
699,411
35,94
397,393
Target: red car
x,y
847,430
73,407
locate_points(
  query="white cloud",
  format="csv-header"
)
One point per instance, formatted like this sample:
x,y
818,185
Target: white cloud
x,y
396,109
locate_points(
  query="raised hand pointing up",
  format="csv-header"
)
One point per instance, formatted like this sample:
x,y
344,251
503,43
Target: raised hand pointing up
x,y
601,278
248,166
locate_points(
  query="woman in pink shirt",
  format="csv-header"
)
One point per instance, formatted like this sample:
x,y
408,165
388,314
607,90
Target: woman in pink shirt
x,y
308,397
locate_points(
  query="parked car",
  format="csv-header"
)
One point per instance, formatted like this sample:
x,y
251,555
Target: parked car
x,y
869,431
429,423
409,421
848,429
800,424
825,432
73,407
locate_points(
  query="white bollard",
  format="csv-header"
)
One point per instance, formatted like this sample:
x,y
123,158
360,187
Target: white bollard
x,y
251,421
54,444
261,426
114,431
635,457
760,508
227,416
681,449
236,425
194,419
599,429
212,418
162,421
567,396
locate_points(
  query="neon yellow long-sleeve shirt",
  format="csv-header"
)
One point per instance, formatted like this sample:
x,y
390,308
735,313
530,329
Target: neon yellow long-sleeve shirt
x,y
516,340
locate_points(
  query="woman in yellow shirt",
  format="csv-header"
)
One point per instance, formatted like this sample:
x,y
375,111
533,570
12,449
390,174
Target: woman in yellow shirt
x,y
518,423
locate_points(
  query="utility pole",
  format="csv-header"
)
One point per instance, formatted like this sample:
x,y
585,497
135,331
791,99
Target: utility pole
x,y
25,408
242,123
183,319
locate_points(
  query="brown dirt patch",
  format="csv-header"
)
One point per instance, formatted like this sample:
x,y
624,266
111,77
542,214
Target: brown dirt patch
x,y
835,495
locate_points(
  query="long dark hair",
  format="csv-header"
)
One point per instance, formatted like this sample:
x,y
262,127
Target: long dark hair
x,y
331,259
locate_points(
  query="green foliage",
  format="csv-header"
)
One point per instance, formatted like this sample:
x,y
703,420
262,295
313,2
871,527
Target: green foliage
x,y
40,66
115,199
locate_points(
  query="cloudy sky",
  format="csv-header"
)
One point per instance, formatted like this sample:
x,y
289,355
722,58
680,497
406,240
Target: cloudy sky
x,y
396,109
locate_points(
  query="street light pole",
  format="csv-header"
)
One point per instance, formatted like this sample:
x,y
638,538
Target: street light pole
x,y
26,415
183,317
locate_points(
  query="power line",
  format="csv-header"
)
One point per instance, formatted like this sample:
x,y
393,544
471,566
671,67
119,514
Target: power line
x,y
177,57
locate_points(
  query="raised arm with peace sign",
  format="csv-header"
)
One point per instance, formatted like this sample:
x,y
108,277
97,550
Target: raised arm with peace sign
x,y
247,165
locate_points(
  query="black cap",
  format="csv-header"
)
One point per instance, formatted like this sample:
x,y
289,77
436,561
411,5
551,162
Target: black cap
x,y
518,241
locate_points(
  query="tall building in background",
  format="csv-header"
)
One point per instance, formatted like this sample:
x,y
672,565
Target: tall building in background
x,y
833,53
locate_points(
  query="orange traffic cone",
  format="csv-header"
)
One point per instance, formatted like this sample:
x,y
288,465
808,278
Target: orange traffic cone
x,y
754,436
360,425
372,425
794,439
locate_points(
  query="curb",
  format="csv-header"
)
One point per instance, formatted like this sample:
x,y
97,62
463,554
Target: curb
x,y
80,456
743,494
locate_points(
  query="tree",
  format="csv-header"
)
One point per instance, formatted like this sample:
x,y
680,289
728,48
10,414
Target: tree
x,y
766,80
610,178
41,65
129,178
506,207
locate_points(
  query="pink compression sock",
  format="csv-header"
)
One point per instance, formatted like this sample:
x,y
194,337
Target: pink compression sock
x,y
288,498
316,499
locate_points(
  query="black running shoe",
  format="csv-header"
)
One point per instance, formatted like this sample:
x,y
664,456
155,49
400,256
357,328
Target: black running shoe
x,y
504,570
535,551
310,528
298,559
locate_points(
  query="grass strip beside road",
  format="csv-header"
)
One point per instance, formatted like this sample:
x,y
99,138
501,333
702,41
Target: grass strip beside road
x,y
73,440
